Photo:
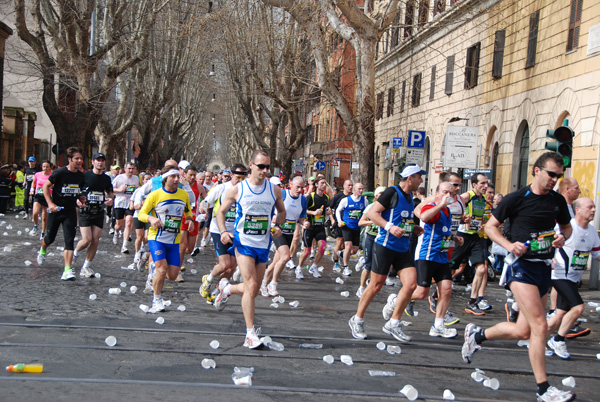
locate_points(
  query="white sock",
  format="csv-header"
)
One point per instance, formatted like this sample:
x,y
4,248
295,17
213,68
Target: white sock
x,y
250,331
226,290
86,264
209,278
157,297
439,323
394,322
313,266
75,253
358,320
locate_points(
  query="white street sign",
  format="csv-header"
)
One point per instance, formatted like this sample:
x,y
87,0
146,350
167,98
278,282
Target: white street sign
x,y
461,147
415,155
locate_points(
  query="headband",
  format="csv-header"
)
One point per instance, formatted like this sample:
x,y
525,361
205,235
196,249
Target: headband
x,y
170,173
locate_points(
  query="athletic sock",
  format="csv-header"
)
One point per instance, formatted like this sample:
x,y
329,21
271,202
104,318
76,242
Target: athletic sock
x,y
67,268
439,322
226,290
358,320
480,336
559,338
250,331
157,297
86,264
42,251
210,278
479,298
394,322
313,266
542,387
472,300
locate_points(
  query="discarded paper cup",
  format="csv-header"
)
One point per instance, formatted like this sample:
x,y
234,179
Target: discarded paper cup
x,y
347,360
345,293
478,375
181,308
111,341
160,321
380,346
123,284
569,382
208,363
492,383
448,395
144,308
328,359
410,392
214,344
133,289
92,296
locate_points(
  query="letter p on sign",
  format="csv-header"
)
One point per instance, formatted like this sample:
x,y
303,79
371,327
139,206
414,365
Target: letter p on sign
x,y
416,139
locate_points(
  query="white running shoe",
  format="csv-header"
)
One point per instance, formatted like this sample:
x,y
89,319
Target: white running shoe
x,y
314,271
443,332
34,230
560,348
252,341
263,290
290,264
86,272
357,328
203,243
396,332
41,258
111,231
470,346
347,271
221,298
124,250
158,304
388,309
299,274
237,275
115,238
360,264
360,291
389,281
554,394
68,275
272,289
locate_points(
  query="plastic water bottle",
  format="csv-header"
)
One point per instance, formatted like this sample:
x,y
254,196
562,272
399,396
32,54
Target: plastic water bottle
x,y
511,258
311,346
25,368
58,209
271,344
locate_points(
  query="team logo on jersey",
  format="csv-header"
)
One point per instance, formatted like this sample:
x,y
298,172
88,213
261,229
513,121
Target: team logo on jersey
x,y
444,229
404,214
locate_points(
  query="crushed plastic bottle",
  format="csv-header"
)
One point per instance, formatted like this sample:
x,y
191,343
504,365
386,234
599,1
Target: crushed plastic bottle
x,y
381,373
25,368
311,346
328,359
271,344
347,360
242,376
208,364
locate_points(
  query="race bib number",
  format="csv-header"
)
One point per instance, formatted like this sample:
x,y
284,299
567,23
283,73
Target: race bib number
x,y
95,197
446,244
580,260
475,223
288,227
455,224
172,224
40,191
542,243
408,224
355,214
319,220
130,190
70,190
230,215
256,225
29,177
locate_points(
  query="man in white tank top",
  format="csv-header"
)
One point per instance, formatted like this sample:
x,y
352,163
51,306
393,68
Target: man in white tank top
x,y
256,200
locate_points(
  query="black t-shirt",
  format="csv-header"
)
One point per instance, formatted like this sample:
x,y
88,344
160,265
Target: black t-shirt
x,y
67,186
533,217
314,202
389,197
95,186
29,173
335,201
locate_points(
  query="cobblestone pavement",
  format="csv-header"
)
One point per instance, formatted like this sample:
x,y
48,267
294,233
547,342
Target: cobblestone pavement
x,y
43,319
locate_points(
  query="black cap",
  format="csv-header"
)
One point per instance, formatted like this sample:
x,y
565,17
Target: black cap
x,y
98,155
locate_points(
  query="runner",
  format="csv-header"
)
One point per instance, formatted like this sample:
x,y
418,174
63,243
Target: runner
x,y
200,220
97,187
110,216
256,199
20,185
141,228
30,172
208,185
227,262
532,212
5,185
393,213
347,214
164,209
337,230
67,183
39,202
568,265
314,228
124,185
295,214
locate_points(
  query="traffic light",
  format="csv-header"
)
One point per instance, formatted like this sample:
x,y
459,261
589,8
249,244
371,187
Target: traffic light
x,y
563,144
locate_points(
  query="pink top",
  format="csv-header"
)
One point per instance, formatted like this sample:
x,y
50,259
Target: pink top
x,y
40,178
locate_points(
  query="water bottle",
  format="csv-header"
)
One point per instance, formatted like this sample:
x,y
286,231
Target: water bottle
x,y
509,260
58,209
25,368
271,344
311,346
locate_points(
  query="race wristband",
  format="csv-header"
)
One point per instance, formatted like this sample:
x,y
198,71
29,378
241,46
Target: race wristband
x,y
388,226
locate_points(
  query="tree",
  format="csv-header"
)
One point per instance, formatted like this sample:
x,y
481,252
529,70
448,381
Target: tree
x,y
362,30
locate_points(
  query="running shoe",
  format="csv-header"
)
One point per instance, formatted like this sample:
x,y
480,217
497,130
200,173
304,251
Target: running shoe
x,y
86,272
360,291
111,231
314,271
136,258
115,238
357,328
389,282
124,250
205,287
158,304
511,314
340,255
550,314
484,305
41,258
203,243
34,230
470,346
443,332
252,341
75,257
450,319
182,269
42,235
179,278
410,309
336,267
196,251
388,309
68,275
237,275
148,287
360,264
299,274
396,332
290,264
272,289
554,394
576,331
221,299
263,290
347,271
473,309
559,347
432,304
312,254
469,288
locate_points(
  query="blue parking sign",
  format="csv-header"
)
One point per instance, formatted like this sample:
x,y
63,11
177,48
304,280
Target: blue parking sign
x,y
416,139
396,142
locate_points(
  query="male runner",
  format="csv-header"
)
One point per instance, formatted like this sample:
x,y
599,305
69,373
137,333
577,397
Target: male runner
x,y
124,185
66,183
97,187
295,214
337,230
393,213
532,212
348,213
30,172
256,199
141,228
208,185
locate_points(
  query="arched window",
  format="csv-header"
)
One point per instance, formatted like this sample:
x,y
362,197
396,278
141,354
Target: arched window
x,y
521,156
495,152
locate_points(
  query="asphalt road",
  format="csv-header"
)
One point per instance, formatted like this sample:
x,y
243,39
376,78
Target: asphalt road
x,y
45,320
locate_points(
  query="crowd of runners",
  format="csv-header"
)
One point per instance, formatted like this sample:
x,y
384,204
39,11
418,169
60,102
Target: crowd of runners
x,y
258,225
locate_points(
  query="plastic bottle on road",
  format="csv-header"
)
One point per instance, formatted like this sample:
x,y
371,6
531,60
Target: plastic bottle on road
x,y
25,368
311,346
272,344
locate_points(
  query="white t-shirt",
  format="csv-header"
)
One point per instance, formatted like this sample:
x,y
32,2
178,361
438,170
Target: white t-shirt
x,y
132,183
578,248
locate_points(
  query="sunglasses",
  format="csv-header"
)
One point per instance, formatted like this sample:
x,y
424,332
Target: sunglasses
x,y
552,174
455,184
239,173
226,176
262,167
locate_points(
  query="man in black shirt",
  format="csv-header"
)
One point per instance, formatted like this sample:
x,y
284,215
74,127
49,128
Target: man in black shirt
x,y
30,171
66,183
97,186
532,212
337,230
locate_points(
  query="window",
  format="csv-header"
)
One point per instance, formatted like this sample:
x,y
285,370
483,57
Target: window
x,y
439,7
574,24
409,19
395,31
379,112
498,53
449,75
402,95
523,158
391,96
472,66
495,154
534,20
432,87
423,12
416,90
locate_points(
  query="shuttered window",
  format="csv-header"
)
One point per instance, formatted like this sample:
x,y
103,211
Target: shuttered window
x,y
472,66
498,53
402,96
534,20
416,90
391,96
432,87
574,24
449,75
409,19
379,113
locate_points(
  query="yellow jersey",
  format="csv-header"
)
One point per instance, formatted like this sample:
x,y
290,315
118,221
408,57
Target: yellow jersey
x,y
170,208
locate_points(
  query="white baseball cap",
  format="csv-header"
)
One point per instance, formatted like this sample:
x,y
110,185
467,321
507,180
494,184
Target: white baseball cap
x,y
409,170
275,181
183,164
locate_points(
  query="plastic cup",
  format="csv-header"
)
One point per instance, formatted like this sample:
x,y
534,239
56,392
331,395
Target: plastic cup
x,y
181,308
160,321
345,293
214,344
133,289
569,382
295,304
167,303
347,360
328,359
97,275
394,350
492,383
339,280
274,305
123,284
380,345
208,363
410,392
448,395
111,341
144,308
92,296
28,263
478,375
114,291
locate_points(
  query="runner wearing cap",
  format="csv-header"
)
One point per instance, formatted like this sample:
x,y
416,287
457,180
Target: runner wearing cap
x,y
98,192
348,213
393,213
30,172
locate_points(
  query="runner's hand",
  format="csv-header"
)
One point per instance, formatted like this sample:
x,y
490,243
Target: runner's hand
x,y
418,230
155,222
226,238
559,240
397,231
517,248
